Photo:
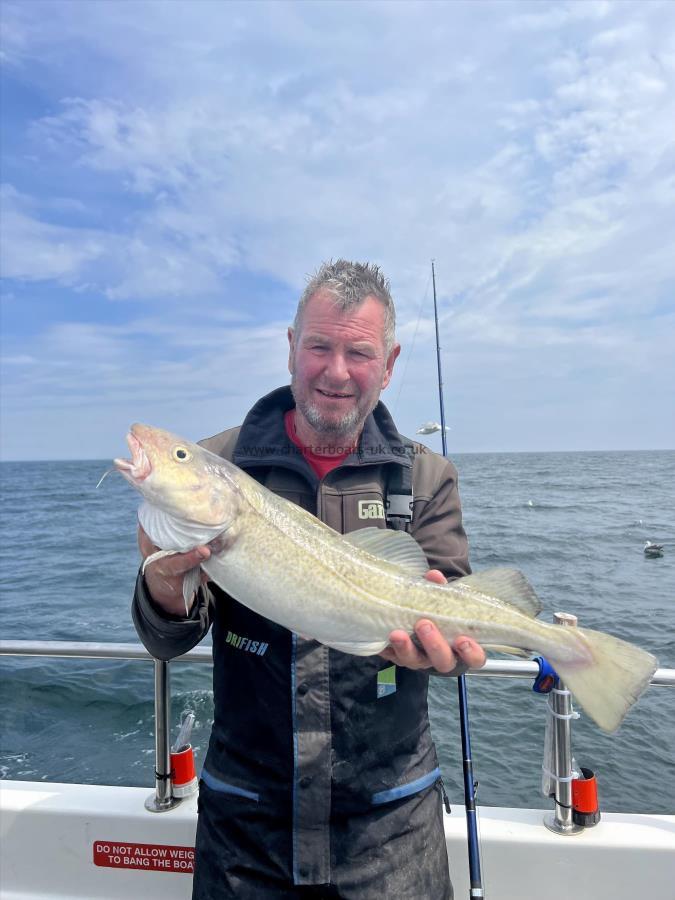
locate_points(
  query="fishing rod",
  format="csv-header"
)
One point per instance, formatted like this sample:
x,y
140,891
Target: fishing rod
x,y
475,877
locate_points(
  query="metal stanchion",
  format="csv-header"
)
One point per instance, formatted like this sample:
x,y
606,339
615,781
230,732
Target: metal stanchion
x,y
561,821
162,800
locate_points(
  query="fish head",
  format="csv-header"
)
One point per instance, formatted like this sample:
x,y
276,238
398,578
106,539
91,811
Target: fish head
x,y
180,477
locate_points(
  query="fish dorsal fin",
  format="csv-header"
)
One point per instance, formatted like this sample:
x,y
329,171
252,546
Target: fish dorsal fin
x,y
397,547
508,586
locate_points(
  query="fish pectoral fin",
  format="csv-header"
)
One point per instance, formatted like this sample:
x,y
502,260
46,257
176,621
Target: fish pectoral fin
x,y
191,582
508,586
358,648
160,554
397,547
508,651
190,579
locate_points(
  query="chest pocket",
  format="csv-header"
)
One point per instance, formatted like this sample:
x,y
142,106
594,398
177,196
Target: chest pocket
x,y
363,509
384,501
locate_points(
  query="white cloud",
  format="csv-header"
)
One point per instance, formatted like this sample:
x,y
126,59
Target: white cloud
x,y
183,359
20,360
201,162
614,37
557,15
33,250
532,160
170,253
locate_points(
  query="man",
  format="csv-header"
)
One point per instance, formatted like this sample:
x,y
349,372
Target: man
x,y
321,778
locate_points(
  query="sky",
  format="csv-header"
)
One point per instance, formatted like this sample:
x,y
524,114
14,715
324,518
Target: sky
x,y
173,172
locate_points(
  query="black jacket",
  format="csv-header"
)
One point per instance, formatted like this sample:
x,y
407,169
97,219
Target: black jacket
x,y
312,731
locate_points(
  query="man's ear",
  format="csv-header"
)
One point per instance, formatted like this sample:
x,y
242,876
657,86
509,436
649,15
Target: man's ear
x,y
389,367
291,348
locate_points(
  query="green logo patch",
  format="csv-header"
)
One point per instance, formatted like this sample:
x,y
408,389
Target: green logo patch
x,y
386,682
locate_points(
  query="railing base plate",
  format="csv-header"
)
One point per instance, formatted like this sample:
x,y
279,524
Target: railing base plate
x,y
152,804
556,827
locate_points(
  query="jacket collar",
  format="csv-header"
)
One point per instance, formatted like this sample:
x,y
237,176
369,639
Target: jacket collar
x,y
263,439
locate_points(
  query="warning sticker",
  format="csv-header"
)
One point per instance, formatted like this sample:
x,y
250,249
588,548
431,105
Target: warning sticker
x,y
149,857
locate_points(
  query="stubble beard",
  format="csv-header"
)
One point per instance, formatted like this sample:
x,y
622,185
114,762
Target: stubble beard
x,y
348,427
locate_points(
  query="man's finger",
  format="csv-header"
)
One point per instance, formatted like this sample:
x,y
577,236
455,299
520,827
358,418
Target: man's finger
x,y
180,563
469,651
403,652
435,646
436,576
170,566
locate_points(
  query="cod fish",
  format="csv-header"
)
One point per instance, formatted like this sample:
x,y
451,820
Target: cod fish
x,y
350,591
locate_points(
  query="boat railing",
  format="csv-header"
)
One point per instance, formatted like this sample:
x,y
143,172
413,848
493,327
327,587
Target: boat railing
x,y
162,799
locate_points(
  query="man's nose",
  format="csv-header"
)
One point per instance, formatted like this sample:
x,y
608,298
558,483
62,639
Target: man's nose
x,y
337,369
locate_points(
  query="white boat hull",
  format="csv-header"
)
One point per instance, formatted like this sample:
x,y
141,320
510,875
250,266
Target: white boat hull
x,y
51,834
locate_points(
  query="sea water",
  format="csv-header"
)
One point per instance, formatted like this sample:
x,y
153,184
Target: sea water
x,y
575,523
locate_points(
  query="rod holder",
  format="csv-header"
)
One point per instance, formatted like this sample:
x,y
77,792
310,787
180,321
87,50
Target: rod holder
x,y
560,820
162,800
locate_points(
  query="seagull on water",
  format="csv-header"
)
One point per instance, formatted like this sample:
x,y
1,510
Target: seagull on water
x,y
653,551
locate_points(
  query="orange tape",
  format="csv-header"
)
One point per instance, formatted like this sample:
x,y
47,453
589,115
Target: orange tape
x,y
183,766
585,792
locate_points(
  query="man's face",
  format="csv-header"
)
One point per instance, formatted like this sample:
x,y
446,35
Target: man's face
x,y
338,364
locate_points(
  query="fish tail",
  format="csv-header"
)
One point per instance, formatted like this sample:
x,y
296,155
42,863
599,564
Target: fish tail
x,y
608,685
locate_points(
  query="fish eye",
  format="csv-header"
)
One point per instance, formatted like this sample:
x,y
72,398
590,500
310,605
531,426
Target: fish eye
x,y
180,454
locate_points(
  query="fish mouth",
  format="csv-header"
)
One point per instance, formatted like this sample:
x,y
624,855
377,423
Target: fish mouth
x,y
139,466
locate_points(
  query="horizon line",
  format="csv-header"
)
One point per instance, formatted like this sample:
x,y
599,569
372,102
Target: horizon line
x,y
458,453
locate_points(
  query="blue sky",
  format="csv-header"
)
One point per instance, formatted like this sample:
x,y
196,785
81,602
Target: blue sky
x,y
172,172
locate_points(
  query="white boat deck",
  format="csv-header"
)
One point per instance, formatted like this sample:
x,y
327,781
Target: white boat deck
x,y
81,841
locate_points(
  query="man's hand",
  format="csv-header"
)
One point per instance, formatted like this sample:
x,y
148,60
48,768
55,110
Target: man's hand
x,y
436,653
164,577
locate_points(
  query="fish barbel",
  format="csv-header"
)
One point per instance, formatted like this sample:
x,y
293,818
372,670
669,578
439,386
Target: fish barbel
x,y
351,591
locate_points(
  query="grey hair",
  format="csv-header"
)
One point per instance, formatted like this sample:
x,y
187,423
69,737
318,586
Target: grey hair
x,y
349,283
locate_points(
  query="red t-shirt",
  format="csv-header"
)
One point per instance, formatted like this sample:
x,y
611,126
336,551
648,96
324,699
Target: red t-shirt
x,y
321,464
